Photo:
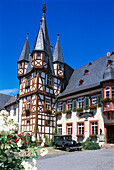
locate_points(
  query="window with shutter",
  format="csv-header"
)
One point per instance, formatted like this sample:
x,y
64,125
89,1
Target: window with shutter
x,y
98,99
86,102
64,107
74,105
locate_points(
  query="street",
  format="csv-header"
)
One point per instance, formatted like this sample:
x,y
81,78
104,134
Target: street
x,y
102,159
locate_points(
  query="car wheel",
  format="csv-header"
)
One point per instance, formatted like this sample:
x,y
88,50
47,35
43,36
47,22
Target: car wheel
x,y
67,148
54,146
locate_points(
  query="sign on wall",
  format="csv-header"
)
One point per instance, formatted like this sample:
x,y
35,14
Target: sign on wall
x,y
86,114
102,138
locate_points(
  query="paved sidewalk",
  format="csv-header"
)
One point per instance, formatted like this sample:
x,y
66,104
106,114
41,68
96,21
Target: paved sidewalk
x,y
102,159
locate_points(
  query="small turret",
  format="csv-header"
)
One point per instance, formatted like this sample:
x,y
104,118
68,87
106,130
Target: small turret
x,y
58,60
24,58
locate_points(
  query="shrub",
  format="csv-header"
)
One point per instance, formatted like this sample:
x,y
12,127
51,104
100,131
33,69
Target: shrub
x,y
88,145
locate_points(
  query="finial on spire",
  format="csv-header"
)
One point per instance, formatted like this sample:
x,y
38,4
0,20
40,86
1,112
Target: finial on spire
x,y
58,36
44,8
27,35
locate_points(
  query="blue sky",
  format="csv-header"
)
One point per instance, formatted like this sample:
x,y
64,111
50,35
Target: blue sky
x,y
86,29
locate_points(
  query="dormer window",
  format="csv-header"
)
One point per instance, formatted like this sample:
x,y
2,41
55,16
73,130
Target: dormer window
x,y
38,56
90,63
81,82
107,91
109,63
86,72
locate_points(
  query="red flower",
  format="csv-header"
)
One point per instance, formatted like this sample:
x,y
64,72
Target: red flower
x,y
10,136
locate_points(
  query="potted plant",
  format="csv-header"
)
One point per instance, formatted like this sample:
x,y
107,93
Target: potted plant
x,y
79,109
68,111
105,100
59,113
27,110
48,111
80,135
93,135
93,107
27,86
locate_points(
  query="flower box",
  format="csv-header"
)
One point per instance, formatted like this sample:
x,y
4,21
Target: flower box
x,y
48,111
80,135
105,100
59,113
93,135
79,109
27,86
68,111
27,110
93,107
49,86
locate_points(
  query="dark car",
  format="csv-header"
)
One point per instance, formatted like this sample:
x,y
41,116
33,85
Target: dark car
x,y
66,142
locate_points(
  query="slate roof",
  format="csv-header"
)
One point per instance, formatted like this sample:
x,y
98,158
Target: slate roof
x,y
58,56
98,72
67,72
12,100
4,98
25,52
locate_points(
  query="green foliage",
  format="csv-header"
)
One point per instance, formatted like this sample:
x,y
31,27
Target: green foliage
x,y
89,145
55,132
68,111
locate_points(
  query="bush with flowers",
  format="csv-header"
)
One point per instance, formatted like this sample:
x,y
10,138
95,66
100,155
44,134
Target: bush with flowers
x,y
12,147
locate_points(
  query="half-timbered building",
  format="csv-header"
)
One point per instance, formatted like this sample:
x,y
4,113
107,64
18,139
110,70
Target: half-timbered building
x,y
42,77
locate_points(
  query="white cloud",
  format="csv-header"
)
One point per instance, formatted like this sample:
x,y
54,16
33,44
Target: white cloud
x,y
9,91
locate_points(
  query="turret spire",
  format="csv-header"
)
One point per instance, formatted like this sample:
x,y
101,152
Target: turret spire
x,y
44,8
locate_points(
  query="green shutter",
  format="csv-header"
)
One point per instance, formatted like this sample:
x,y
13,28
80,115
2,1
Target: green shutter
x,y
98,99
64,107
74,105
86,102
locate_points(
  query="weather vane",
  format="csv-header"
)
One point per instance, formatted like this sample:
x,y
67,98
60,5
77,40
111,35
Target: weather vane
x,y
44,8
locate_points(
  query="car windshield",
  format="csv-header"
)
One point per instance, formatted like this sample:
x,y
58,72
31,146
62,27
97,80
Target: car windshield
x,y
68,137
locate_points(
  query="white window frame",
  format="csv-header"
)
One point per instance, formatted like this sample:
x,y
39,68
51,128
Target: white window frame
x,y
94,100
69,128
69,104
80,102
48,104
60,104
59,127
94,127
107,90
81,128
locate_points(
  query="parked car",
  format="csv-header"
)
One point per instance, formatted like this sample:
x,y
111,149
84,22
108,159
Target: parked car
x,y
66,142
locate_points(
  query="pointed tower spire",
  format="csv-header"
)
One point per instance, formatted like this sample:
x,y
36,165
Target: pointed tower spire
x,y
58,56
24,56
44,8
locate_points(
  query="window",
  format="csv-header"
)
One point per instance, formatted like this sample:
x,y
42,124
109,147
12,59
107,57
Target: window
x,y
81,102
64,107
60,67
69,104
59,129
94,100
107,91
14,110
8,111
94,127
60,106
69,129
38,56
112,91
20,65
49,81
48,104
80,128
28,121
28,80
28,104
74,105
34,74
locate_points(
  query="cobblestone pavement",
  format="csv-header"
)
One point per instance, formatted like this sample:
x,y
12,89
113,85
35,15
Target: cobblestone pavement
x,y
102,159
